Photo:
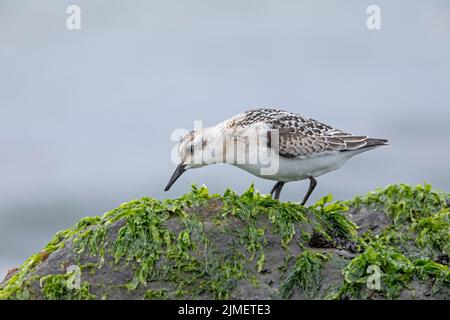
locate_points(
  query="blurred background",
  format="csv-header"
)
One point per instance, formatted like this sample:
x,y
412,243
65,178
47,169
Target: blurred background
x,y
86,115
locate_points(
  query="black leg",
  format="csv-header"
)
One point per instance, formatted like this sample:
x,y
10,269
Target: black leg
x,y
312,185
277,189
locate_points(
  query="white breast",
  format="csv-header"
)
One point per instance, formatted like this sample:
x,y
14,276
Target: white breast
x,y
299,169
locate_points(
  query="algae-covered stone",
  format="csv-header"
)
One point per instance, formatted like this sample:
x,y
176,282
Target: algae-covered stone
x,y
248,246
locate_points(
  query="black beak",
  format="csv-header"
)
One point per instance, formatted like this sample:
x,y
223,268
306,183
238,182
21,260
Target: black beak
x,y
178,172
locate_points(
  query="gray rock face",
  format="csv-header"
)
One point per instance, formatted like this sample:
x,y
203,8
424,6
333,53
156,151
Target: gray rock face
x,y
235,247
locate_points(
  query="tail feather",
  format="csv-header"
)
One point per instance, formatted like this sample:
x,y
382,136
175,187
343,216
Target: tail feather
x,y
369,143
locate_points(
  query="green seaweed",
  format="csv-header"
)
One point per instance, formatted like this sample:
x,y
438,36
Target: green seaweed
x,y
434,233
404,250
155,294
426,269
304,275
167,242
396,270
56,287
333,223
402,202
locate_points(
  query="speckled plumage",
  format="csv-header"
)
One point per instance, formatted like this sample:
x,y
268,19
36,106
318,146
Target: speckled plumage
x,y
301,137
303,148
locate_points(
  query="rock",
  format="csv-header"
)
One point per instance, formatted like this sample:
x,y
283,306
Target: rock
x,y
204,246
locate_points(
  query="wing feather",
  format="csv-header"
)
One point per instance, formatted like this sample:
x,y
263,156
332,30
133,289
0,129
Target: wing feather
x,y
300,137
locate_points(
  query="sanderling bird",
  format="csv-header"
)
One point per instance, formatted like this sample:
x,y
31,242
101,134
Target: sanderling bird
x,y
297,147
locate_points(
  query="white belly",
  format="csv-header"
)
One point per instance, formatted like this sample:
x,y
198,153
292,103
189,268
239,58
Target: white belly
x,y
298,169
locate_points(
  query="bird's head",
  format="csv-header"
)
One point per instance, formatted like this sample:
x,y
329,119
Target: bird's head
x,y
195,150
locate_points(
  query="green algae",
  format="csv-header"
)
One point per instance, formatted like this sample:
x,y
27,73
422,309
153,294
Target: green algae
x,y
304,275
404,203
406,249
250,206
155,294
17,285
396,270
332,223
327,217
57,287
434,233
167,241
